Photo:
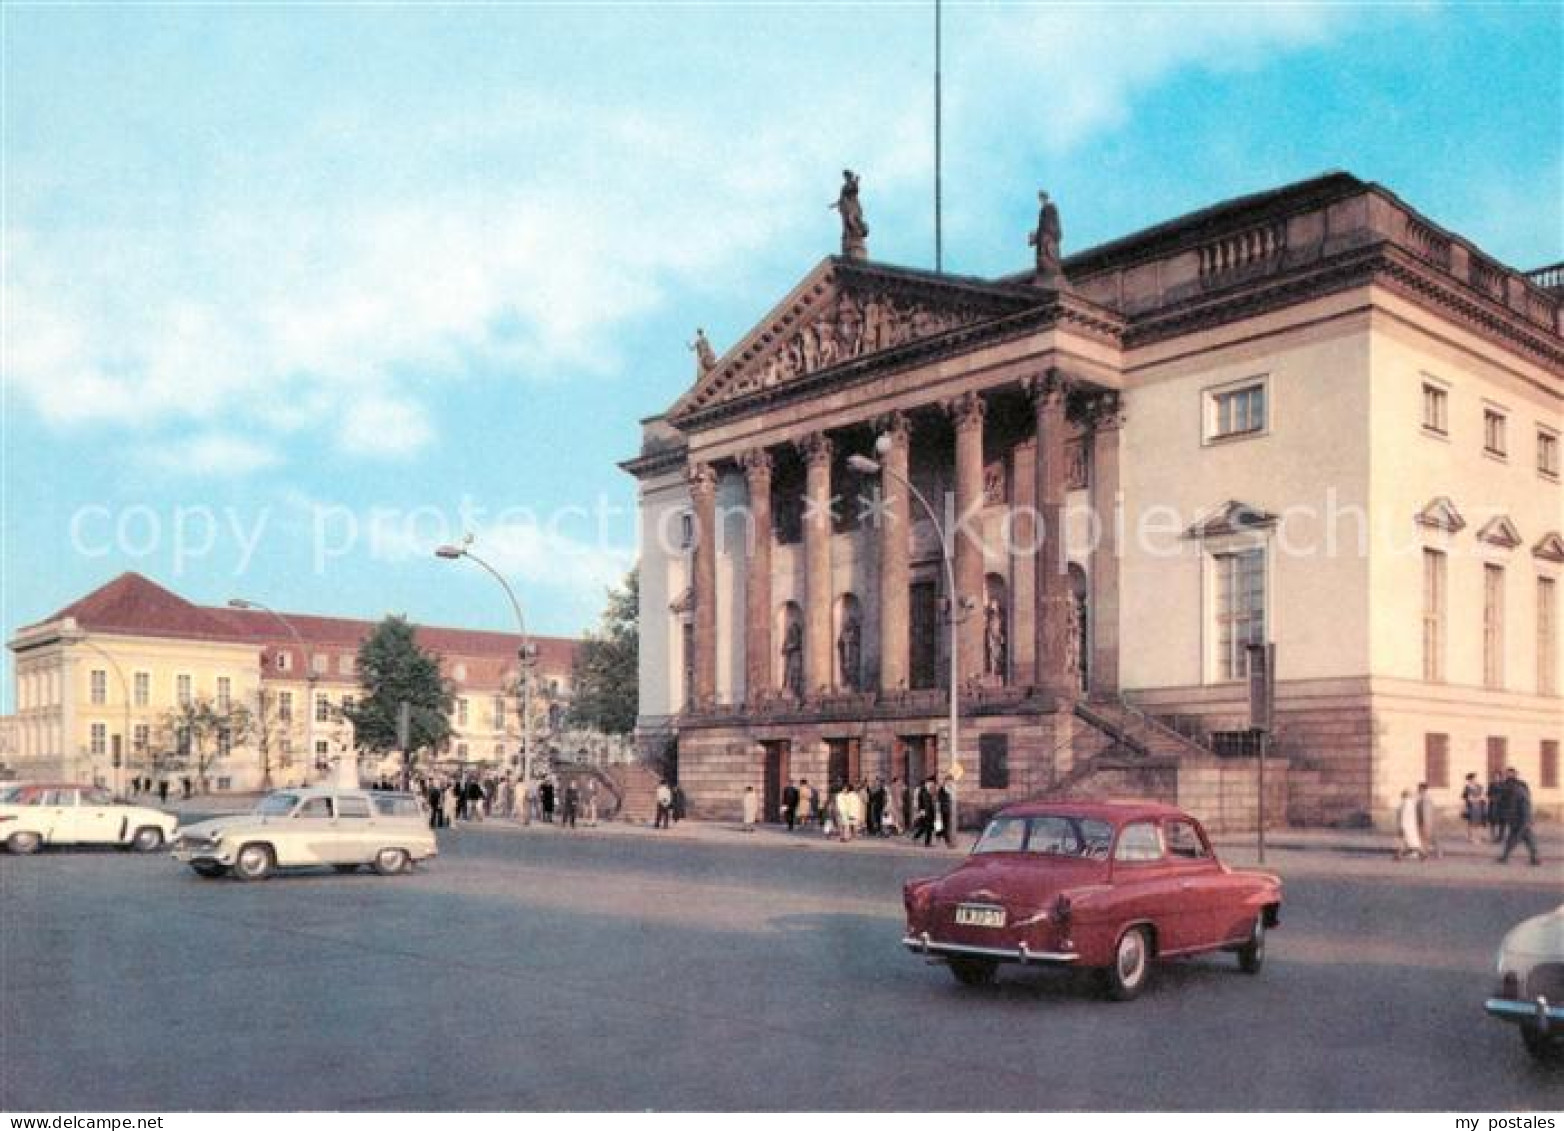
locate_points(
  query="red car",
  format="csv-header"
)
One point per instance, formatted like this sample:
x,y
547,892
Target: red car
x,y
1106,885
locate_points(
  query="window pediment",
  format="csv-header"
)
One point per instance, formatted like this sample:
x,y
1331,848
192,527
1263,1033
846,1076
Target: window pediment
x,y
1441,514
1550,547
1500,531
1232,517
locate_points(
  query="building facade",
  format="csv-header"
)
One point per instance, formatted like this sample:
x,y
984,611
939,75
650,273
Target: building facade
x,y
1309,418
96,684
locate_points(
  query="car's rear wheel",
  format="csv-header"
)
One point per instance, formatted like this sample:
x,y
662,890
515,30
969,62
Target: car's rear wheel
x,y
1251,956
208,870
391,861
1131,968
149,839
1545,1048
254,862
24,844
974,971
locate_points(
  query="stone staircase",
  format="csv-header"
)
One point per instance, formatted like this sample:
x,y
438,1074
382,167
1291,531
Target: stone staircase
x,y
636,787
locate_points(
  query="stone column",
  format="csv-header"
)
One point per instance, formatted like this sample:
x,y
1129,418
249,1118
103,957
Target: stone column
x,y
1052,588
1108,419
819,671
895,520
757,576
703,498
966,412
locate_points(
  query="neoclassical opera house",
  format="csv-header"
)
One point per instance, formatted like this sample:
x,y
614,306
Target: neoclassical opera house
x,y
1310,417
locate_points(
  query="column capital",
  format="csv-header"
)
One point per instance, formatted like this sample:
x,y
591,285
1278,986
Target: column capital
x,y
966,411
756,464
1103,411
816,448
1048,389
702,479
896,425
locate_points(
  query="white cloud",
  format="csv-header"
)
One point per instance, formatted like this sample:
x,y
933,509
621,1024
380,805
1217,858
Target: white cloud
x,y
213,454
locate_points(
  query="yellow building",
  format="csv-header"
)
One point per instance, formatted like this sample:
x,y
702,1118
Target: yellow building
x,y
97,682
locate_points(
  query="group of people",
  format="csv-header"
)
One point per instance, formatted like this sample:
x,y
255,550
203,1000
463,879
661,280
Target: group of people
x,y
469,797
870,808
140,785
670,804
1501,813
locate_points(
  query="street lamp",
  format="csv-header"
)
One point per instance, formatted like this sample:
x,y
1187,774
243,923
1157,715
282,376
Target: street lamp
x,y
956,606
310,677
524,654
124,752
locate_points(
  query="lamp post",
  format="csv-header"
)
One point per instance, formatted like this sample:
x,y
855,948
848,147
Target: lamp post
x,y
956,606
310,675
124,688
524,654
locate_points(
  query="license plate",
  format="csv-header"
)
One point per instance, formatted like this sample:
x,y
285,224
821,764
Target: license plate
x,y
968,915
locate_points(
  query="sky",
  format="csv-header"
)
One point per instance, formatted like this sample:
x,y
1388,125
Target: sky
x,y
292,293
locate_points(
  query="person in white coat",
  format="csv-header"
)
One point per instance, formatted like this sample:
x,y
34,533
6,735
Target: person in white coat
x,y
1406,824
751,808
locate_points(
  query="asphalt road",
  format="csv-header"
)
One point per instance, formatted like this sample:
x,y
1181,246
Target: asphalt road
x,y
544,971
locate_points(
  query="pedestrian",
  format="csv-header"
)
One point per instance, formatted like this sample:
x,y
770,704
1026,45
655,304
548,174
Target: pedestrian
x,y
751,808
162,791
789,805
678,803
1411,843
449,796
900,803
185,783
461,798
664,805
1518,806
923,812
530,802
475,801
507,797
946,813
1496,817
891,819
1426,821
876,821
572,804
546,799
432,800
846,812
810,802
591,802
1475,807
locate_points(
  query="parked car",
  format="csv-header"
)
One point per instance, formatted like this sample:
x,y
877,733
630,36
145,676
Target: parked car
x,y
292,828
45,813
1531,984
1109,886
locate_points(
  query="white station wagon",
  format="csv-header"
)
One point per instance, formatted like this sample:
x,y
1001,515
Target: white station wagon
x,y
39,814
296,828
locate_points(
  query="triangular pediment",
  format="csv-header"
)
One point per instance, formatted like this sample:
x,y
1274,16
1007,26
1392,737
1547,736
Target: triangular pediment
x,y
841,313
1500,531
1232,517
1550,547
1440,514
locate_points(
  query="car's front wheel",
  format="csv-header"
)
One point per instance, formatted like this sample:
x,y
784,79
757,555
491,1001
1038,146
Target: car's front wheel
x,y
1131,968
254,862
149,839
1545,1048
1251,956
974,971
391,861
24,844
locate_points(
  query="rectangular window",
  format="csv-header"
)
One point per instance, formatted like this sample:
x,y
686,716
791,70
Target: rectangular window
x,y
224,693
1239,609
1433,616
322,709
687,641
1237,412
1548,454
1548,764
284,661
285,748
182,689
225,742
994,761
1493,626
322,748
100,738
318,663
1436,760
100,686
461,712
285,706
461,751
182,742
1436,410
499,713
143,688
348,703
347,664
1547,637
1495,442
141,737
1498,755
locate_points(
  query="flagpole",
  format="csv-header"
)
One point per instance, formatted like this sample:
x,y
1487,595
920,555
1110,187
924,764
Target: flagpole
x,y
938,242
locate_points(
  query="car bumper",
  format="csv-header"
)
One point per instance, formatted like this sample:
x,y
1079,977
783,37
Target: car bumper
x,y
1538,1013
206,854
932,948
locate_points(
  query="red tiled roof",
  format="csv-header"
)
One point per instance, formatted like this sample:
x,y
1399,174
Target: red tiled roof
x,y
133,605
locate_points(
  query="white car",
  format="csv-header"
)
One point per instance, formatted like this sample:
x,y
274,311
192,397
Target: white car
x,y
43,813
310,827
1531,984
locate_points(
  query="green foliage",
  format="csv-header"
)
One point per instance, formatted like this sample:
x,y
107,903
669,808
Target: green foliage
x,y
393,669
605,694
198,733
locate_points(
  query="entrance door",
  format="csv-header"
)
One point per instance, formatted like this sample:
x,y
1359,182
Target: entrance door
x,y
923,634
842,767
777,776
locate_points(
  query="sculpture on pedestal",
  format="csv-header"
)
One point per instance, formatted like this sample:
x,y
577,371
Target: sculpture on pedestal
x,y
854,230
705,356
793,653
1047,239
849,646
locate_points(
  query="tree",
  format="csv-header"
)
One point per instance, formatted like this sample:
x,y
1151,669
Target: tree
x,y
271,731
392,670
201,731
605,691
